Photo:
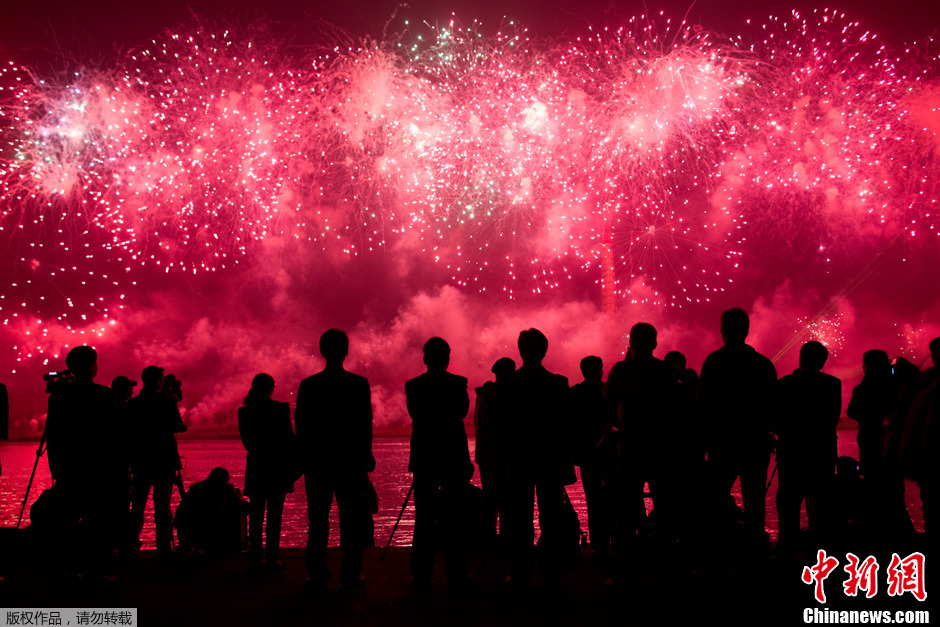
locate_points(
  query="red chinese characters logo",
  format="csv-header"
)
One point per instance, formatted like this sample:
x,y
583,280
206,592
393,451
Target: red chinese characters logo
x,y
904,575
907,575
862,576
817,574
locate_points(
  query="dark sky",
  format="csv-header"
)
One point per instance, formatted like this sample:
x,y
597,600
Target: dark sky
x,y
42,33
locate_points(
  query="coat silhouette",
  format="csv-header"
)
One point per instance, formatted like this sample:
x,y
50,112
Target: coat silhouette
x,y
809,403
153,420
270,470
534,406
437,404
736,390
440,462
333,419
82,437
267,435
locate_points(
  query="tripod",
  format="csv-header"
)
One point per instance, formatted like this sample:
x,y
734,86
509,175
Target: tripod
x,y
395,528
32,475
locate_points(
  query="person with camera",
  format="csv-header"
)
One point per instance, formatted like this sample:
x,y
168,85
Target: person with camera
x,y
440,463
82,437
153,420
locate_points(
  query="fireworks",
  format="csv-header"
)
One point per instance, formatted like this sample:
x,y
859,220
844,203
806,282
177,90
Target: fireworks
x,y
827,330
511,163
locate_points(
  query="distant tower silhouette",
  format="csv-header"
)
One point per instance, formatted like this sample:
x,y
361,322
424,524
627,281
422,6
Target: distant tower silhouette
x,y
608,293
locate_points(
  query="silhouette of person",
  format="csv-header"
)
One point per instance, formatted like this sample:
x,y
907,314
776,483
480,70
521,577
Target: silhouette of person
x,y
690,446
535,407
677,358
208,518
153,420
267,435
123,388
934,371
872,403
4,417
693,431
82,436
440,463
809,403
847,513
333,419
906,378
914,441
489,454
595,453
736,389
645,392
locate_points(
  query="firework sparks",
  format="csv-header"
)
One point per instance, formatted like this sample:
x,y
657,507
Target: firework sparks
x,y
513,164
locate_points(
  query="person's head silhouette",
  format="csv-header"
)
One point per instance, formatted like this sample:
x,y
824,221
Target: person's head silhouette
x,y
533,345
642,339
876,363
262,388
152,378
592,368
334,346
82,361
735,325
676,358
436,354
219,475
123,388
503,365
813,356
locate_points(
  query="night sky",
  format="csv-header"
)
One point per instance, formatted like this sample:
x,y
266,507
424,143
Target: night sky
x,y
43,31
803,269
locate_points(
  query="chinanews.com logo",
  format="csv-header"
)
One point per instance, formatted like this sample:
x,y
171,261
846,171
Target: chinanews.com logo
x,y
903,576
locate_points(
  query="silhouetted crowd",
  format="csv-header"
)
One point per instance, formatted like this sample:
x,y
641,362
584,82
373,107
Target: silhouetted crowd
x,y
654,425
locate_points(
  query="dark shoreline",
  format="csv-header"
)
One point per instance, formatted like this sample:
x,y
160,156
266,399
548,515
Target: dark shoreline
x,y
740,590
403,431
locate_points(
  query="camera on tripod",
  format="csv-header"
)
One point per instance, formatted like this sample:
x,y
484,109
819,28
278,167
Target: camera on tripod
x,y
173,388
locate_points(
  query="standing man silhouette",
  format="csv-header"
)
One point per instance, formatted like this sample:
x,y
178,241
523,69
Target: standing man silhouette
x,y
490,457
809,403
82,436
440,462
334,429
736,392
645,391
595,452
153,422
535,407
